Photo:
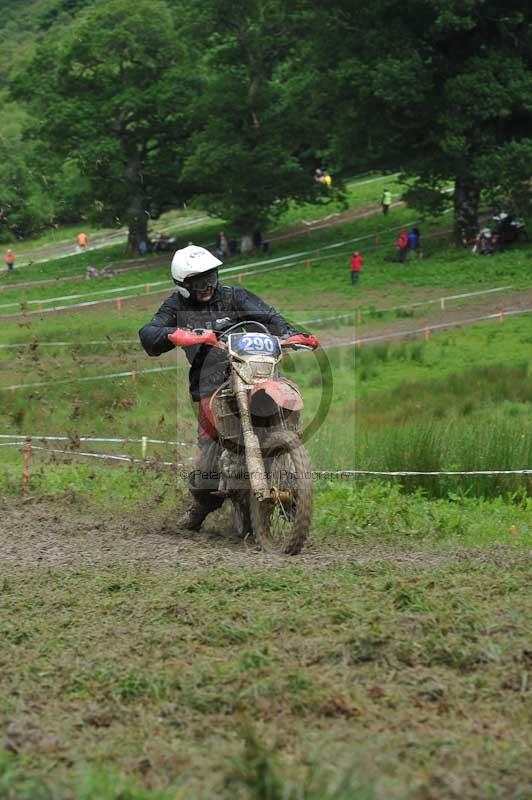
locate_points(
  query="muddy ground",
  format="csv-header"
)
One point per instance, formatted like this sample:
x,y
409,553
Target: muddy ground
x,y
63,534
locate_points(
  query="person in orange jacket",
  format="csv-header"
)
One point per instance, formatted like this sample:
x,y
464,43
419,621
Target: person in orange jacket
x,y
10,260
82,241
356,267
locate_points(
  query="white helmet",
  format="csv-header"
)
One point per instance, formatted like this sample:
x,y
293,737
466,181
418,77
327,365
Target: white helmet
x,y
194,269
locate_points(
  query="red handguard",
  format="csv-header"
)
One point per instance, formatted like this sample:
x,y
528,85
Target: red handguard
x,y
301,338
183,338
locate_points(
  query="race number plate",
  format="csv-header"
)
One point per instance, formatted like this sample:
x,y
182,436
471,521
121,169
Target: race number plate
x,y
247,344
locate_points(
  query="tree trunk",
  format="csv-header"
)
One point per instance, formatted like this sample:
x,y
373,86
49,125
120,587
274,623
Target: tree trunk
x,y
466,199
136,214
246,243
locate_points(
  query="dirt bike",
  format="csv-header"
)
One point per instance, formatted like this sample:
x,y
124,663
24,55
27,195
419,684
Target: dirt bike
x,y
508,229
264,469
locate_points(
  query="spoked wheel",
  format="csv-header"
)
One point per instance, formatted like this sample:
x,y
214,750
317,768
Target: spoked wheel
x,y
281,523
241,516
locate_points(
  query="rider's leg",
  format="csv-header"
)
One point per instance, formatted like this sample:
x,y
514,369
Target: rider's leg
x,y
204,478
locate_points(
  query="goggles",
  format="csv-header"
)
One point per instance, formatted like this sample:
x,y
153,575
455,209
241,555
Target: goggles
x,y
202,282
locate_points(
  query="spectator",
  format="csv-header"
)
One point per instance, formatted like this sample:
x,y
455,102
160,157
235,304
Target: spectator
x,y
402,245
327,180
222,245
356,267
318,175
414,242
257,241
10,260
386,201
82,242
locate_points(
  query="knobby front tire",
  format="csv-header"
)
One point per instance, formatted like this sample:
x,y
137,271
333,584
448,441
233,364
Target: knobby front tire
x,y
281,524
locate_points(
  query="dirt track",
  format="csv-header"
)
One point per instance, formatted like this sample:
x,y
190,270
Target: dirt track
x,y
452,315
60,534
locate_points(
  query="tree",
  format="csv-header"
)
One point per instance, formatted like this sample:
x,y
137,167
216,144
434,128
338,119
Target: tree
x,y
437,87
111,97
25,205
249,156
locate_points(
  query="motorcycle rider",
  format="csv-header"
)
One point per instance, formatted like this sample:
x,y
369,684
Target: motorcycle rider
x,y
201,301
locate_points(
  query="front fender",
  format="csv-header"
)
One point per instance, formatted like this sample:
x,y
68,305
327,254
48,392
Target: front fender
x,y
283,393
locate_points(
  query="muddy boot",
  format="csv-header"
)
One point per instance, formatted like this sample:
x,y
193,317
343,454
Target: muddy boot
x,y
193,516
199,507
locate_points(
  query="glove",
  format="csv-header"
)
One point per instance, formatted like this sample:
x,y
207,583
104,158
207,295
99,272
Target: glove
x,y
186,338
306,340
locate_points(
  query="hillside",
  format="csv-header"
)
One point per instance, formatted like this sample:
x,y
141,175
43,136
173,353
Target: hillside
x,y
25,22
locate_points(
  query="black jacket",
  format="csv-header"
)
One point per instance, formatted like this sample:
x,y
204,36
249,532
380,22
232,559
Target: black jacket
x,y
229,304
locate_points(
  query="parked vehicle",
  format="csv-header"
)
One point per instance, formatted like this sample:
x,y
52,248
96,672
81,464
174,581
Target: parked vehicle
x,y
264,468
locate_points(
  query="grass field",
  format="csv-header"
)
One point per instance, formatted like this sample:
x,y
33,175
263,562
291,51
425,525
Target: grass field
x,y
382,668
391,661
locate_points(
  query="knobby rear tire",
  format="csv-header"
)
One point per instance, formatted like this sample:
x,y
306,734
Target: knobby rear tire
x,y
282,449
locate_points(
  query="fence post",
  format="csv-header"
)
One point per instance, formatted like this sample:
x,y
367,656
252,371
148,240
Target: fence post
x,y
144,446
442,303
119,303
26,467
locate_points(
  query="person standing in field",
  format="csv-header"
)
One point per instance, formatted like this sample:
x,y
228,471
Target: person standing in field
x,y
82,241
356,267
222,245
10,260
414,242
386,201
402,245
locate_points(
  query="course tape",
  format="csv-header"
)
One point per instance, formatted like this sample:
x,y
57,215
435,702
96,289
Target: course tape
x,y
62,438
354,342
317,473
85,378
84,294
242,269
117,237
436,300
440,326
106,456
406,473
71,344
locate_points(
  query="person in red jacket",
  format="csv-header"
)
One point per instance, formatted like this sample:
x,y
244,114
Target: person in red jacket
x,y
402,244
356,266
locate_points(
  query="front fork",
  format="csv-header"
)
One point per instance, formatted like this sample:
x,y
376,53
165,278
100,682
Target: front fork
x,y
254,460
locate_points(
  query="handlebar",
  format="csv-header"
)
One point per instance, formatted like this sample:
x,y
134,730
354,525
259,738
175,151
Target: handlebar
x,y
182,337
